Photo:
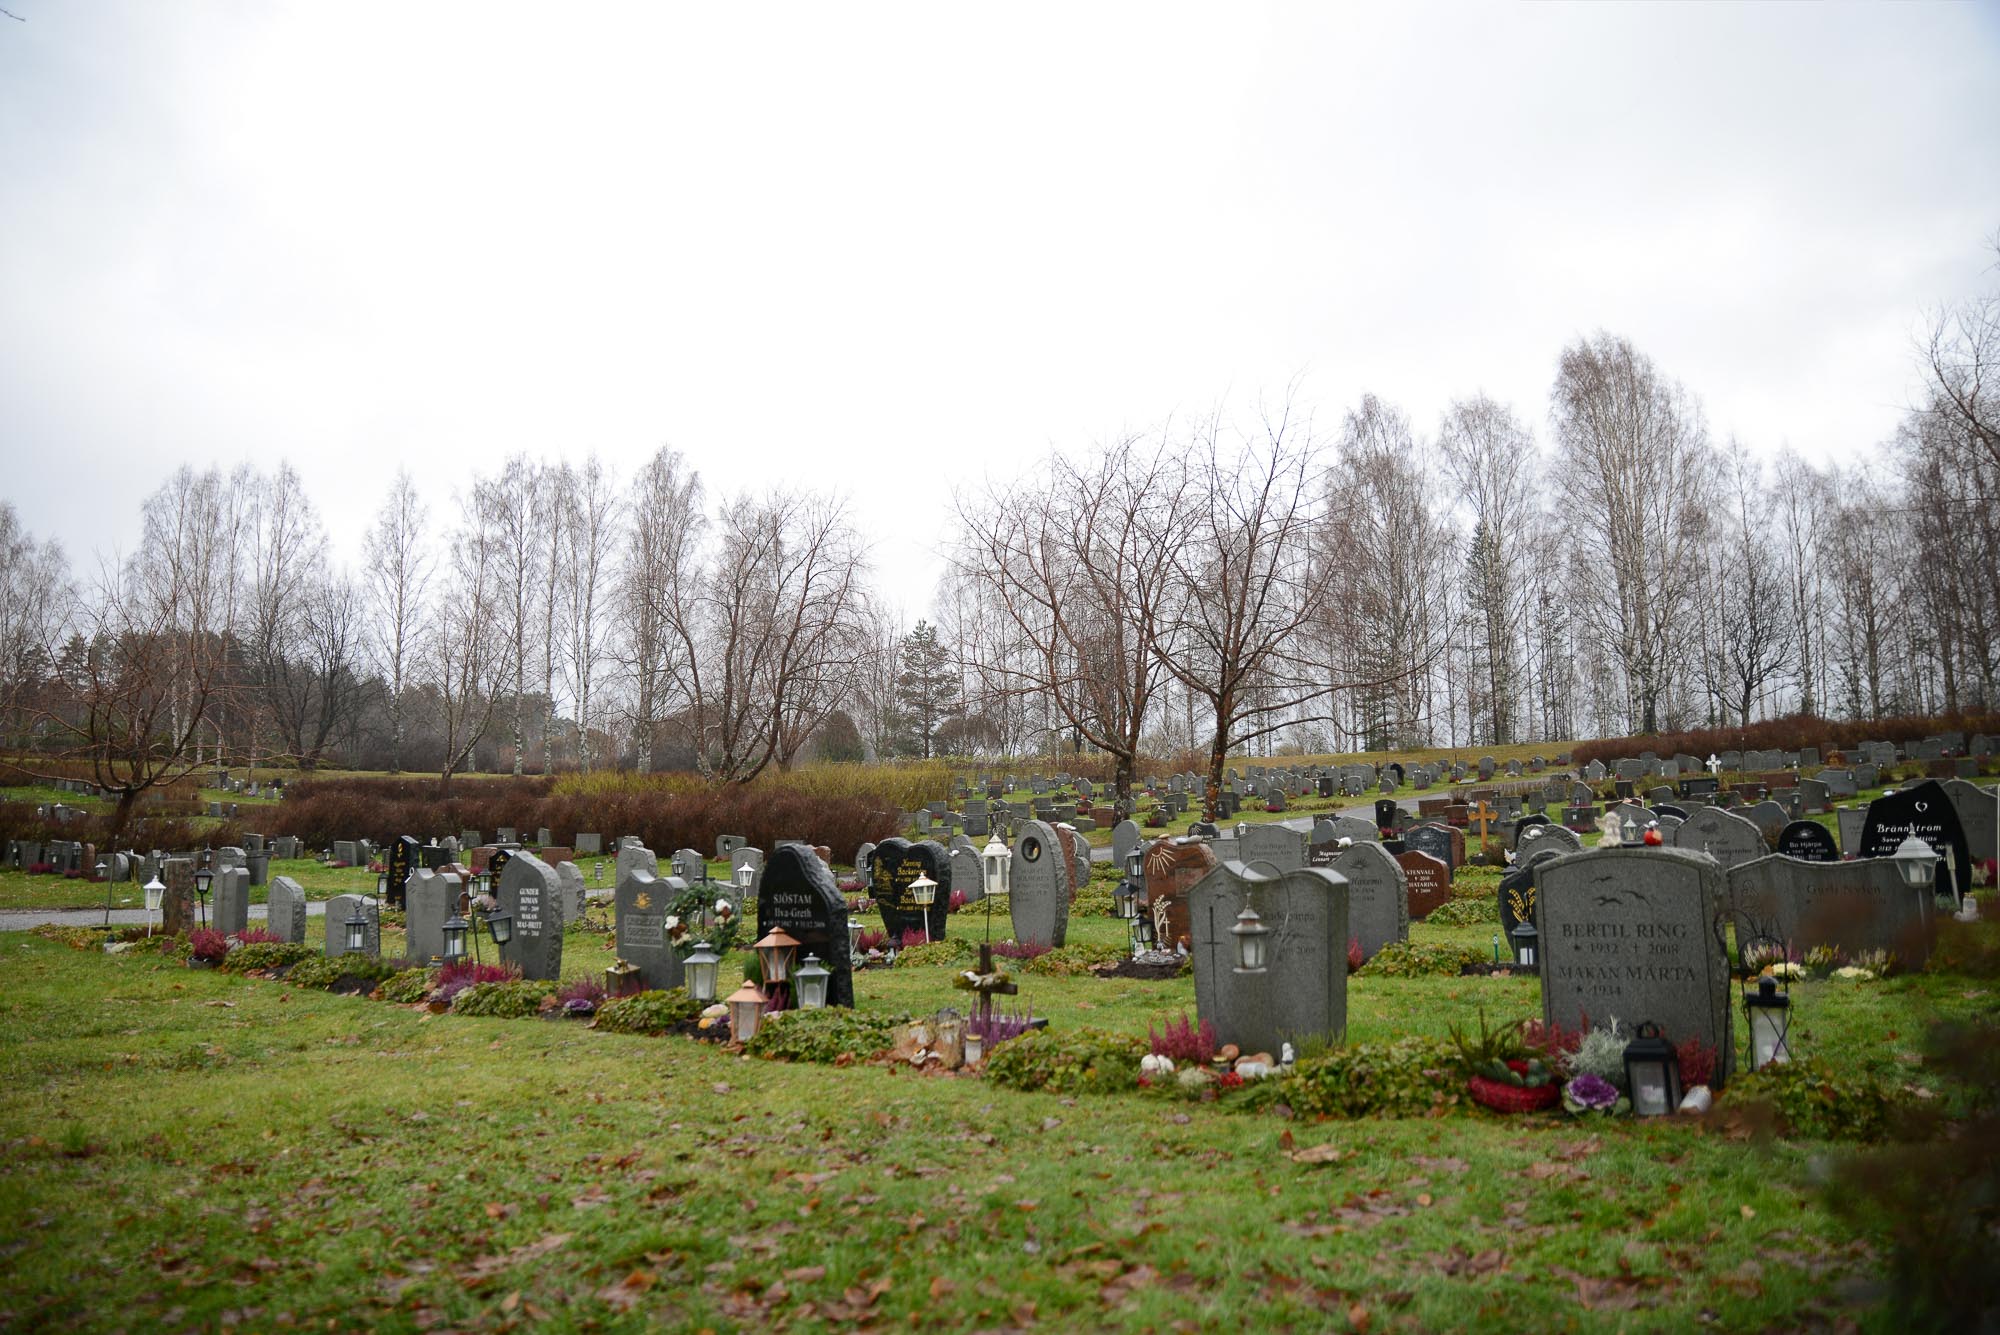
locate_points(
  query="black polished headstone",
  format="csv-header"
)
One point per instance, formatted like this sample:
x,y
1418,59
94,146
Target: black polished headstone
x,y
1925,810
1808,841
798,893
893,865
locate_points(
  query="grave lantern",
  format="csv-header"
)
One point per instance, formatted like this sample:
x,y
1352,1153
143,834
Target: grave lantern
x,y
357,930
623,979
975,1046
997,865
1768,1009
701,963
1652,1073
154,892
1917,863
746,1008
1141,928
923,893
454,938
202,878
746,877
854,929
500,926
1251,935
1525,938
776,952
1127,893
382,886
810,983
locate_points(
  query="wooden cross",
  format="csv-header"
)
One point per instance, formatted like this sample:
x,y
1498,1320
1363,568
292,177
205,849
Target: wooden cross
x,y
1482,813
991,982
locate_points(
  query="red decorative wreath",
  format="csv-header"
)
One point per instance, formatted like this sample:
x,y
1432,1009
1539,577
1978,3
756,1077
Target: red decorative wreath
x,y
1514,1098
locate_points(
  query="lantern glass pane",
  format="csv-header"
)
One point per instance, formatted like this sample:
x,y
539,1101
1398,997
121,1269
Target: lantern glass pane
x,y
1767,1036
1649,1089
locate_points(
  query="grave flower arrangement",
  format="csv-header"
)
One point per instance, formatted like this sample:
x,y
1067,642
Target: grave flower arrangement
x,y
1587,1094
1502,1073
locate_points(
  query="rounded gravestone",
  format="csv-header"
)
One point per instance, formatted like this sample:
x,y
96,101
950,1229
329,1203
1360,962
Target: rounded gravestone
x,y
1808,841
1723,835
798,892
1925,810
893,866
1039,886
531,891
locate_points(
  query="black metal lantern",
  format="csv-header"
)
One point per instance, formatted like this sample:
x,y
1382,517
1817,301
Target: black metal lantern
x,y
1767,1009
1142,934
357,931
202,879
1125,897
454,938
1525,939
1652,1073
1251,938
500,926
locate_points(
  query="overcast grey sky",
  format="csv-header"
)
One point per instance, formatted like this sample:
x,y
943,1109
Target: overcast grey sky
x,y
888,249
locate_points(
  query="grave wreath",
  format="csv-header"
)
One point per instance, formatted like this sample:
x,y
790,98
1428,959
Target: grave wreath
x,y
694,905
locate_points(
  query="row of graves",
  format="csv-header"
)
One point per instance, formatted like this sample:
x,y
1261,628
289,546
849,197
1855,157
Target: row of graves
x,y
1637,929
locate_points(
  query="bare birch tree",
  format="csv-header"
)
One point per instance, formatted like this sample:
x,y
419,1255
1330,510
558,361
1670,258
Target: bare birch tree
x,y
400,564
1642,465
1080,566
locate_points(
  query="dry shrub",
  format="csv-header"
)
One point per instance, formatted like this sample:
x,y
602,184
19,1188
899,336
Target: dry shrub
x,y
665,811
1784,734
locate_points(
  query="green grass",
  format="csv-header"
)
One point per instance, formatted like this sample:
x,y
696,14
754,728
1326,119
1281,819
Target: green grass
x,y
210,1150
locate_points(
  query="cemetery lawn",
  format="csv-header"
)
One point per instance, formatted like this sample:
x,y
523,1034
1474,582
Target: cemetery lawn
x,y
188,1149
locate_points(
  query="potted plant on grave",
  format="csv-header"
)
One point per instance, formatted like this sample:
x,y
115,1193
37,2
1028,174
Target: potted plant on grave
x,y
1502,1073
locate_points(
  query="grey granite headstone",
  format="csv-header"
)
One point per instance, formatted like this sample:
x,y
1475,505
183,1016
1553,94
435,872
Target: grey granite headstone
x,y
531,891
1723,835
1039,886
641,903
1978,815
726,846
1283,848
1125,840
573,889
1548,837
589,844
431,897
967,872
1378,902
1301,997
287,910
753,858
1636,935
636,858
231,893
798,893
1770,819
1851,821
1855,906
342,907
